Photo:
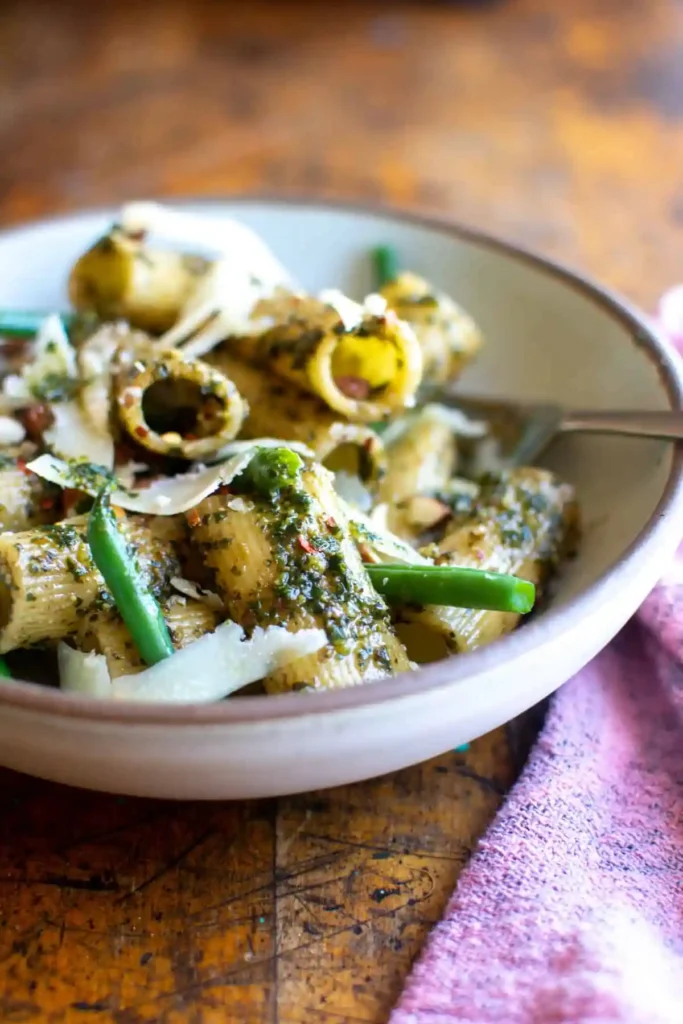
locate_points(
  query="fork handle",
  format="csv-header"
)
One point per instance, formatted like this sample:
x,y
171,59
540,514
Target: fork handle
x,y
667,426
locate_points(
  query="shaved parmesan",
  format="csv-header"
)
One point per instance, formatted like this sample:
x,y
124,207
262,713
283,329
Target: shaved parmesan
x,y
223,302
95,364
220,307
165,497
224,237
74,436
209,669
82,673
238,447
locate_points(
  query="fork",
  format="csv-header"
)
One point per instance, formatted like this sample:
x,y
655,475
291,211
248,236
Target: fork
x,y
524,430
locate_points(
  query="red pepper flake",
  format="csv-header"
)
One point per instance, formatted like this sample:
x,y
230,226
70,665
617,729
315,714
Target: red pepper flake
x,y
22,467
193,517
305,544
190,437
224,489
47,503
331,523
141,431
353,387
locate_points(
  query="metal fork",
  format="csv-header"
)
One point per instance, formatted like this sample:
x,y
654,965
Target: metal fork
x,y
524,430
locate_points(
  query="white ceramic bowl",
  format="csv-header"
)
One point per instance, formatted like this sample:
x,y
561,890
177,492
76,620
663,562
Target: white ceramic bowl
x,y
551,335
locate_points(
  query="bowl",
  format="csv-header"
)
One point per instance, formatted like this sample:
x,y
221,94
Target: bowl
x,y
551,335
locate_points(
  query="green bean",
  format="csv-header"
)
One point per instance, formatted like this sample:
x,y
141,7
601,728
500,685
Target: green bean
x,y
137,605
4,670
386,264
452,585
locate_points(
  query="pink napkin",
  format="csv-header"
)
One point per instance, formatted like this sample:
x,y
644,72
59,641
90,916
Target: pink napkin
x,y
571,910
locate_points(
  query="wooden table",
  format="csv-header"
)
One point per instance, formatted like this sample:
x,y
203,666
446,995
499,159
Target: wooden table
x,y
559,125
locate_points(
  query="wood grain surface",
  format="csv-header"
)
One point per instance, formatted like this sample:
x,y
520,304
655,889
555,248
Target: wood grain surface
x,y
558,125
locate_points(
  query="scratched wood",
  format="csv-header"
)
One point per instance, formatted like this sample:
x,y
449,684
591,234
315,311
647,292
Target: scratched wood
x,y
560,125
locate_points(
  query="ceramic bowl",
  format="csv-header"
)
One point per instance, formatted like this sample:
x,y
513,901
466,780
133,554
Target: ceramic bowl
x,y
551,335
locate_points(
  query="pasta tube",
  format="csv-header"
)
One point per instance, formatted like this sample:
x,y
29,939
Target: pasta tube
x,y
420,462
176,406
48,579
448,336
104,632
25,499
522,523
279,410
187,620
121,277
363,365
291,562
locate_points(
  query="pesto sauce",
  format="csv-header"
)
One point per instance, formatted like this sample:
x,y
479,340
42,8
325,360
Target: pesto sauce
x,y
313,573
528,514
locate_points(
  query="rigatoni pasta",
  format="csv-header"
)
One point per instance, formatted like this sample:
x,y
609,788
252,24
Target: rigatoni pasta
x,y
103,631
523,522
48,578
121,277
421,460
294,564
448,336
365,365
196,408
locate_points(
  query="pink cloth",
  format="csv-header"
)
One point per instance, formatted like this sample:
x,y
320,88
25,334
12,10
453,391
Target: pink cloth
x,y
571,910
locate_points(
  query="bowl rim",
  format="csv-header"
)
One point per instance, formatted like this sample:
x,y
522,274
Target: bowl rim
x,y
551,625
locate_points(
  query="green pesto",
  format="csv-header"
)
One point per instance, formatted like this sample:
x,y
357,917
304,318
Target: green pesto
x,y
319,579
526,516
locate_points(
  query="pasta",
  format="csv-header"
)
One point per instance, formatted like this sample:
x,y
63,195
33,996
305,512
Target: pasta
x,y
448,336
420,463
363,364
522,522
48,578
302,570
104,632
212,478
197,408
122,278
